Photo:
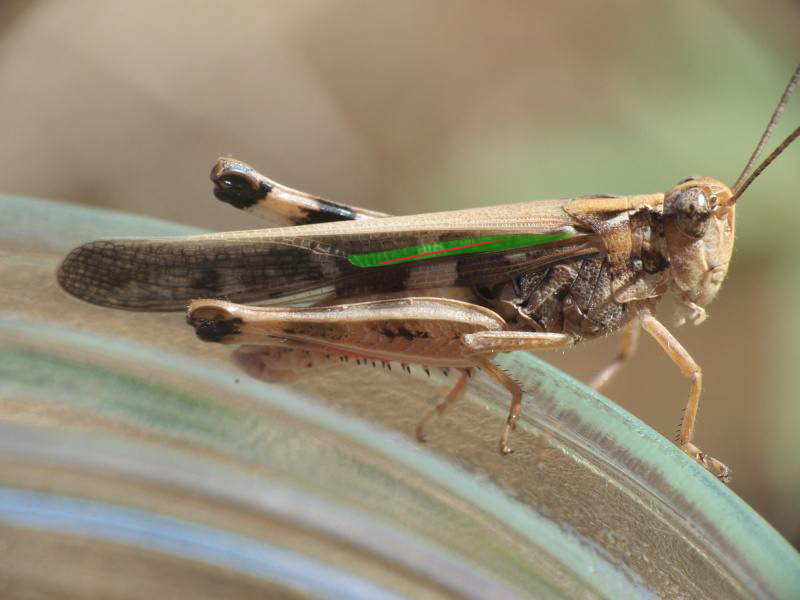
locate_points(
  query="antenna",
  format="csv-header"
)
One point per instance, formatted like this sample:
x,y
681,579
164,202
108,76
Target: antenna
x,y
748,174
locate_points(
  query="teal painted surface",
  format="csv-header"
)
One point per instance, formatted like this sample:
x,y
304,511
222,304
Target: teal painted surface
x,y
287,448
192,409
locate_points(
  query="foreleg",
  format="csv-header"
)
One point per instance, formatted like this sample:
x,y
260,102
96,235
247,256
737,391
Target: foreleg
x,y
692,370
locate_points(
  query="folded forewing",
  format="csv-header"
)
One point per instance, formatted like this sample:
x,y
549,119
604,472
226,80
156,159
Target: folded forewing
x,y
268,264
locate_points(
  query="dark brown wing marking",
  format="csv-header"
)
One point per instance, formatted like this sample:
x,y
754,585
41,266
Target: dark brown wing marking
x,y
311,260
165,274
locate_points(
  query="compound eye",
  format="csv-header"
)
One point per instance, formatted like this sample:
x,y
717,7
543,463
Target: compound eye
x,y
692,212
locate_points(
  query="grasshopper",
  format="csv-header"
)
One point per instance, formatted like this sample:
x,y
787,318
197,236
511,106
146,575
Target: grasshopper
x,y
435,289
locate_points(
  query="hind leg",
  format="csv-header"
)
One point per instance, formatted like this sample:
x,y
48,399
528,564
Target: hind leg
x,y
241,186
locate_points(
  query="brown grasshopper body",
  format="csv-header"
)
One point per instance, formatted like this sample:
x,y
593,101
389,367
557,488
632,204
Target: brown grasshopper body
x,y
617,257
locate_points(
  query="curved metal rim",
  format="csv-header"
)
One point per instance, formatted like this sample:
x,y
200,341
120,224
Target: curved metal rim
x,y
642,453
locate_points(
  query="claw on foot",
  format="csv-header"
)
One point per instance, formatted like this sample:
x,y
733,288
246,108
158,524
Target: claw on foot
x,y
504,449
719,469
511,425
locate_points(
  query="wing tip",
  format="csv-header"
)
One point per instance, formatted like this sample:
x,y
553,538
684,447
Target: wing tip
x,y
95,273
74,276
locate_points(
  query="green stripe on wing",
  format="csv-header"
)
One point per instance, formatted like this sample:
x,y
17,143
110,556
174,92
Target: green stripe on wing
x,y
489,243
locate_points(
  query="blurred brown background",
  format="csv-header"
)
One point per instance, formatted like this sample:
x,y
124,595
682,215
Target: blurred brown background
x,y
434,105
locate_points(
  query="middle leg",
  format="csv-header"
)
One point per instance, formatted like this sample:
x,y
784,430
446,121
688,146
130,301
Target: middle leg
x,y
489,343
628,343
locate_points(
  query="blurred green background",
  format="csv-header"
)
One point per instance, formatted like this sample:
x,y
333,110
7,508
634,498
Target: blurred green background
x,y
421,106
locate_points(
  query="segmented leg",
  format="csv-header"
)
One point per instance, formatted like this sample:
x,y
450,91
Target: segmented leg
x,y
420,330
241,186
690,369
426,330
628,343
434,331
453,396
516,403
491,342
